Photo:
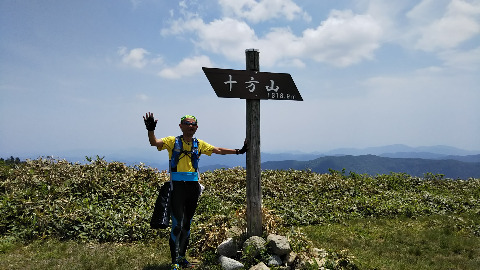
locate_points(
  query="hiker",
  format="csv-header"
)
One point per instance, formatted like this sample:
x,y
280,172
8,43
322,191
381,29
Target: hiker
x,y
184,152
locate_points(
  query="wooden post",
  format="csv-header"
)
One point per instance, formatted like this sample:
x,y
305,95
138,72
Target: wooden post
x,y
254,189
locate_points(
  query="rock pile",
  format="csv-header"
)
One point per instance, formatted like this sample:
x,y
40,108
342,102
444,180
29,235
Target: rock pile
x,y
275,252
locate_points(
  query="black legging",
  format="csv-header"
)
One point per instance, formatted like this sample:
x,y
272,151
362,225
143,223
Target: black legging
x,y
184,201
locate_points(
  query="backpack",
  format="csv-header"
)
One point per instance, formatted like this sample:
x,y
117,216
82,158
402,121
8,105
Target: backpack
x,y
178,153
161,212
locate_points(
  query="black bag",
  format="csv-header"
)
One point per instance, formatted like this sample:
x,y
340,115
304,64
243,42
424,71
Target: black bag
x,y
161,212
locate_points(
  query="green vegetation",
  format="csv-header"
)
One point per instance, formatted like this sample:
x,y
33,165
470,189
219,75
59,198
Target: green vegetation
x,y
99,201
432,242
56,214
10,161
55,254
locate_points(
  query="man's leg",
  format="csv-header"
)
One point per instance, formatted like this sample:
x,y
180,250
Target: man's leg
x,y
191,203
177,206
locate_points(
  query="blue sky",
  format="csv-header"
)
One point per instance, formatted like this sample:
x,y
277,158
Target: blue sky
x,y
79,75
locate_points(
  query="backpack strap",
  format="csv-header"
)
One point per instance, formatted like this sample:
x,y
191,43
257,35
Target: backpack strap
x,y
195,155
178,153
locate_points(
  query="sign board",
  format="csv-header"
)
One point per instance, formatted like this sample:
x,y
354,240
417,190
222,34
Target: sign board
x,y
252,85
246,84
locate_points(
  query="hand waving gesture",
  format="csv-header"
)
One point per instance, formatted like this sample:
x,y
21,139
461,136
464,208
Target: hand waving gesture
x,y
150,122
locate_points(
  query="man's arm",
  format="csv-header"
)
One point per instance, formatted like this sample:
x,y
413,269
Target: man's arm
x,y
226,151
223,151
153,140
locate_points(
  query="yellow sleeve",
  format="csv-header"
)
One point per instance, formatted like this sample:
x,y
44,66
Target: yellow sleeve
x,y
205,148
168,143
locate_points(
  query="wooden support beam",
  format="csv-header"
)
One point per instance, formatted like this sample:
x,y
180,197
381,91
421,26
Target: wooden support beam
x,y
254,188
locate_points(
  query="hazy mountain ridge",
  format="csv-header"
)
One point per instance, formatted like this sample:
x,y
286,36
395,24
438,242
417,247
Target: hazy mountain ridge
x,y
424,155
441,150
417,161
372,165
390,158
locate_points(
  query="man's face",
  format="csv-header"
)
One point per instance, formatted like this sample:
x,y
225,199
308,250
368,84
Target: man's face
x,y
188,126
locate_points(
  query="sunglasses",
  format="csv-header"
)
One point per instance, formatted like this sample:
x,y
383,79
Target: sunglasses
x,y
189,123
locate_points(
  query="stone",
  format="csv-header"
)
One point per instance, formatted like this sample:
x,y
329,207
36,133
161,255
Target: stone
x,y
279,244
260,266
234,232
274,260
230,264
228,248
290,258
253,246
320,253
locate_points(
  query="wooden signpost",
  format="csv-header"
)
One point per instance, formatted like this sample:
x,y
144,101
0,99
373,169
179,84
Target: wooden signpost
x,y
252,85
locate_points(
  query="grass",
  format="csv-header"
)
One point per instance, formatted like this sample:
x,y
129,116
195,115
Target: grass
x,y
58,215
55,254
433,242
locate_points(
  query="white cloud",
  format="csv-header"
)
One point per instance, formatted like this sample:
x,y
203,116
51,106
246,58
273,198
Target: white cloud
x,y
341,40
180,26
262,10
182,4
458,22
186,67
388,14
137,58
134,58
228,37
464,60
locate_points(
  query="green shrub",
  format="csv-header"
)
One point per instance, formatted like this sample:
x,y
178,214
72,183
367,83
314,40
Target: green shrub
x,y
104,201
98,201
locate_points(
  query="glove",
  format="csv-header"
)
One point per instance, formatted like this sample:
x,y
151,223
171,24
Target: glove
x,y
150,123
243,150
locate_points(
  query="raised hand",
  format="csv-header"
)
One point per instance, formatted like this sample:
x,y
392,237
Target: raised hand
x,y
150,122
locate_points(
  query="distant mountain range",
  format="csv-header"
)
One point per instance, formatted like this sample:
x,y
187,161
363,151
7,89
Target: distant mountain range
x,y
440,150
372,165
450,161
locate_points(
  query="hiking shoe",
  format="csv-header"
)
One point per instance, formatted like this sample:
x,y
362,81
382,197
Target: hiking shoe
x,y
184,263
175,266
